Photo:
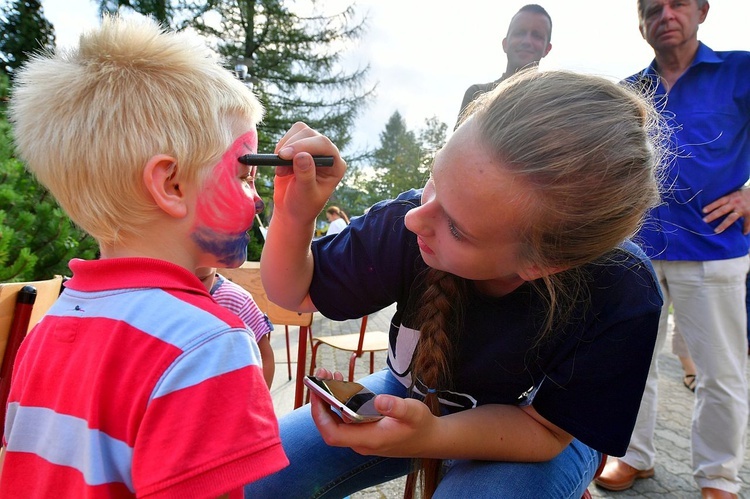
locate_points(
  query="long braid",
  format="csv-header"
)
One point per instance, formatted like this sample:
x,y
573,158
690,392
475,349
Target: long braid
x,y
439,320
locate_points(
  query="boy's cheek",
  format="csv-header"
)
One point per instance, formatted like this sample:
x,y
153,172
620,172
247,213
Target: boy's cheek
x,y
227,204
224,205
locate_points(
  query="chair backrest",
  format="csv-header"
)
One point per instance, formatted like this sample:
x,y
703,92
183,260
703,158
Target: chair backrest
x,y
47,292
22,305
248,276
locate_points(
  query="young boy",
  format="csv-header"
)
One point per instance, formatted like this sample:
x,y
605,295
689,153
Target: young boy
x,y
237,299
137,383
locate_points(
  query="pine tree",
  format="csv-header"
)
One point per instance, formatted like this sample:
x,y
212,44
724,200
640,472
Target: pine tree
x,y
398,161
432,138
161,10
293,59
293,62
401,162
23,30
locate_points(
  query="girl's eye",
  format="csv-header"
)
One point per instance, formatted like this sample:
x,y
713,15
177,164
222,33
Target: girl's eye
x,y
454,231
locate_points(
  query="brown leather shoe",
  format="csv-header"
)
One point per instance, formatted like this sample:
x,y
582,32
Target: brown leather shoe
x,y
620,476
710,493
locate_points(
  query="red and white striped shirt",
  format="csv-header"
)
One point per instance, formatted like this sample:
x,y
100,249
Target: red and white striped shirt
x,y
137,383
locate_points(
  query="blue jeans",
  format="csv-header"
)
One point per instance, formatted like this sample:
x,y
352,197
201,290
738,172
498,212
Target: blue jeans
x,y
317,470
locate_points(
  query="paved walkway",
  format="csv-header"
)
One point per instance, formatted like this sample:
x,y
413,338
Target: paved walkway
x,y
673,477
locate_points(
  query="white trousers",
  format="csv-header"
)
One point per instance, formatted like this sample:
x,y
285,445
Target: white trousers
x,y
710,310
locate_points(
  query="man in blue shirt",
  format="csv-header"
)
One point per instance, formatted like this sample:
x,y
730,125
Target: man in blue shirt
x,y
696,240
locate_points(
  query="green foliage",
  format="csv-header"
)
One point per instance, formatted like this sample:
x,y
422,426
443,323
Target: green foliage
x,y
37,239
23,30
353,200
255,246
161,10
4,92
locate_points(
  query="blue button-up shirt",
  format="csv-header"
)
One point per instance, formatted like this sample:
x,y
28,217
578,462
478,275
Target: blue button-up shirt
x,y
708,113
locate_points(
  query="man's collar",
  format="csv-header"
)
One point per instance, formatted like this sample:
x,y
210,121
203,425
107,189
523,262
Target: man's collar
x,y
704,54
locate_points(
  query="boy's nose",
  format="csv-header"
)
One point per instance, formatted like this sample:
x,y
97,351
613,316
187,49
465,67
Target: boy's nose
x,y
259,205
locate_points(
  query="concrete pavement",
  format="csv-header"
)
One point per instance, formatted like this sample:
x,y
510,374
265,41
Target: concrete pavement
x,y
673,477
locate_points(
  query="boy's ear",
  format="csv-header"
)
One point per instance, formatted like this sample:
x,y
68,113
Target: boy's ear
x,y
159,178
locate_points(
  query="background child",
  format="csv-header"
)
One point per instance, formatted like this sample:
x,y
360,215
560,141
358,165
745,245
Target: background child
x,y
241,302
137,383
337,220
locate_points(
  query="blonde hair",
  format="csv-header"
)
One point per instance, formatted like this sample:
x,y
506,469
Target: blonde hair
x,y
86,120
586,150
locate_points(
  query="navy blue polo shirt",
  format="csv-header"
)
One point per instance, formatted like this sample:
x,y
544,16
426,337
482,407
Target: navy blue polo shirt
x,y
587,377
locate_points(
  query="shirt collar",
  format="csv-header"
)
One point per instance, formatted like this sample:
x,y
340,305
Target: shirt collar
x,y
704,55
119,273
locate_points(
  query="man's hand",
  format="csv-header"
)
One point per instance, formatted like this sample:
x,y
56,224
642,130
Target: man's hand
x,y
733,207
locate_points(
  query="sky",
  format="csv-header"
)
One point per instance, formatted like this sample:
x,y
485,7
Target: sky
x,y
423,54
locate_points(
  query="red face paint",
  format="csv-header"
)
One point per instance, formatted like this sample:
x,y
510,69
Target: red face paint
x,y
228,202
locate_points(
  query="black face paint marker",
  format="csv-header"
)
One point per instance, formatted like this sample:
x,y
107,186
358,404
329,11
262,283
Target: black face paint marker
x,y
275,160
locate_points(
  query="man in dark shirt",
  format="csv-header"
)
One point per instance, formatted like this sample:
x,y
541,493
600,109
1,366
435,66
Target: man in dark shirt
x,y
527,41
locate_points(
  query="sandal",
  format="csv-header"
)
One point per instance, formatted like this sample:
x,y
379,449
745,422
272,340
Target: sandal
x,y
689,381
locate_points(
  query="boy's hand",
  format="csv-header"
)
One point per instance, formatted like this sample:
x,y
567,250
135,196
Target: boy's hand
x,y
302,191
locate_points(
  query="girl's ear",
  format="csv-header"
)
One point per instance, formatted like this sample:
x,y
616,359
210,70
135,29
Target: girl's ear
x,y
160,179
534,272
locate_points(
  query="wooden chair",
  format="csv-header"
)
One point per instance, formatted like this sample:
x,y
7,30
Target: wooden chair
x,y
22,305
248,276
357,343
